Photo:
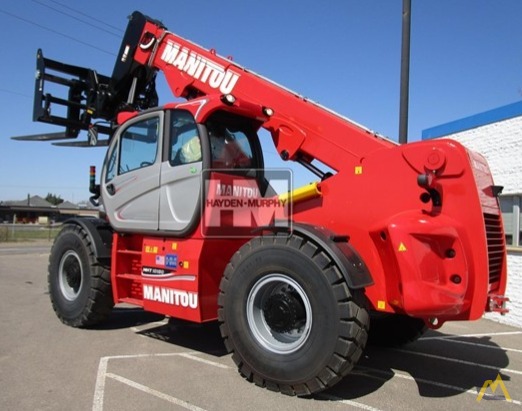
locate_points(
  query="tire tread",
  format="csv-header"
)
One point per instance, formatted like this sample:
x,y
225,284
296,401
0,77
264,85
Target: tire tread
x,y
353,319
100,303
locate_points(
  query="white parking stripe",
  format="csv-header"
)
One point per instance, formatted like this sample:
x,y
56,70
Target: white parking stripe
x,y
155,393
99,390
208,362
424,381
445,337
348,402
473,364
491,347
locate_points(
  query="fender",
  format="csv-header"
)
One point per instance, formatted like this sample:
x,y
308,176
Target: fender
x,y
100,235
345,257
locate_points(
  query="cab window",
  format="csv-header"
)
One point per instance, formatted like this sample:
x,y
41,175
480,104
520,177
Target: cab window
x,y
230,147
139,145
185,141
111,165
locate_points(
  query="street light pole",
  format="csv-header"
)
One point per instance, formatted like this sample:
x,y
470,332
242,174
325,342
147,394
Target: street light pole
x,y
405,72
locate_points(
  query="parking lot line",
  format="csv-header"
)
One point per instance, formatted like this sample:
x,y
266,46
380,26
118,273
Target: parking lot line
x,y
456,360
347,402
446,337
368,372
208,362
103,375
453,339
155,393
99,390
425,381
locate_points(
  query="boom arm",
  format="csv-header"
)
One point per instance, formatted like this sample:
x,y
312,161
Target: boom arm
x,y
302,130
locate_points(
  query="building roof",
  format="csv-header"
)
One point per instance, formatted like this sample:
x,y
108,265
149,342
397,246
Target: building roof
x,y
39,202
67,204
477,120
34,201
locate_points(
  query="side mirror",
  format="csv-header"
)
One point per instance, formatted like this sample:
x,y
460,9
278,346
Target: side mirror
x,y
92,132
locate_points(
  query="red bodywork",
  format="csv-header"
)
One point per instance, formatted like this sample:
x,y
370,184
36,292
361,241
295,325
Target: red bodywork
x,y
438,259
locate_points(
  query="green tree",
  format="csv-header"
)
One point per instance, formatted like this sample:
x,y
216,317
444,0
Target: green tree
x,y
54,199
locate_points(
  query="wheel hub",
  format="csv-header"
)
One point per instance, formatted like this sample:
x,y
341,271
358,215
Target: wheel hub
x,y
279,313
73,274
70,275
284,312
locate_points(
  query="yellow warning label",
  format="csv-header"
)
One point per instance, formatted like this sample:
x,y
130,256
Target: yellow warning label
x,y
174,246
402,247
185,264
381,305
151,249
358,169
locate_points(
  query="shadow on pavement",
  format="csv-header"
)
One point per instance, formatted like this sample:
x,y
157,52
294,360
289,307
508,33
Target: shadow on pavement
x,y
126,317
440,367
205,337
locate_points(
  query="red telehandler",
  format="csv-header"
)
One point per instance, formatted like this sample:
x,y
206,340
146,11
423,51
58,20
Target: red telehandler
x,y
389,241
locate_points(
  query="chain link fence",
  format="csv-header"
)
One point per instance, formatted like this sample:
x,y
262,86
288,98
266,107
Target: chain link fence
x,y
28,232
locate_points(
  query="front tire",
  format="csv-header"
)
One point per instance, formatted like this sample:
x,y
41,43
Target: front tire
x,y
288,316
80,288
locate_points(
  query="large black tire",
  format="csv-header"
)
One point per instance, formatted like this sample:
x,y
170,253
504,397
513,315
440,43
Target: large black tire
x,y
79,287
395,330
288,316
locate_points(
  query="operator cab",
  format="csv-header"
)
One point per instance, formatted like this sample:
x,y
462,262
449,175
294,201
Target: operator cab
x,y
152,174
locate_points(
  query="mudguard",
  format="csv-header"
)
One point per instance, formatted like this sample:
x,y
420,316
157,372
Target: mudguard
x,y
100,234
338,248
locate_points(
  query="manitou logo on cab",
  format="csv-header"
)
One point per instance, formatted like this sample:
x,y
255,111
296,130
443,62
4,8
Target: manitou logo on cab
x,y
199,67
170,296
236,191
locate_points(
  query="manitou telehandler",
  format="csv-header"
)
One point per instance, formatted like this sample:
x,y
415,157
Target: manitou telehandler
x,y
389,241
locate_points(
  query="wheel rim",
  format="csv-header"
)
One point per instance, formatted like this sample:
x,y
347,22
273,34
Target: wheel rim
x,y
70,275
279,313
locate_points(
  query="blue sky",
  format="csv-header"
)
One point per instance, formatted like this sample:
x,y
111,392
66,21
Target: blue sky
x,y
466,57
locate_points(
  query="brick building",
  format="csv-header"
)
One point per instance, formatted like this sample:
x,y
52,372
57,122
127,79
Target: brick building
x,y
497,135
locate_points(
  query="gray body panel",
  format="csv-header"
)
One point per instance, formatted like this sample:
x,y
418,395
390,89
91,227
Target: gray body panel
x,y
179,195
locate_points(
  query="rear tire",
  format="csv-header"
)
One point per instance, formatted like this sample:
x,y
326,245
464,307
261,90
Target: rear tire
x,y
288,316
394,330
79,288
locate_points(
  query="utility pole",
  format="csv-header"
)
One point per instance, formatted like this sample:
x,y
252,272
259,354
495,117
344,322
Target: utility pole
x,y
405,71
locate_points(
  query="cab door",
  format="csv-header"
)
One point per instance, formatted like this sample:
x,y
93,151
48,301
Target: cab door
x,y
130,181
179,205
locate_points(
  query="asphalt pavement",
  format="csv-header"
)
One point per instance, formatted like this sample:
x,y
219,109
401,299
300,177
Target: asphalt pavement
x,y
143,361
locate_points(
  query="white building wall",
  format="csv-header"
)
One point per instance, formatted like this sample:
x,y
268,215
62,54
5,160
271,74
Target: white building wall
x,y
501,144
